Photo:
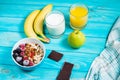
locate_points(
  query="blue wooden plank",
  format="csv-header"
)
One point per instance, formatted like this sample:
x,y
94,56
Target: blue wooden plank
x,y
18,12
17,8
13,13
39,74
64,2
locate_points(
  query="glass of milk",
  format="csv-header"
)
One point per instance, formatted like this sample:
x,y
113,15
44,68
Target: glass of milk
x,y
55,23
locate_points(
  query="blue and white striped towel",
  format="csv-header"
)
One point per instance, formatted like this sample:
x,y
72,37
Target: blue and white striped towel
x,y
107,65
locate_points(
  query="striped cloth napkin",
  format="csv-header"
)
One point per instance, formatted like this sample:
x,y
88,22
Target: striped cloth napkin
x,y
107,65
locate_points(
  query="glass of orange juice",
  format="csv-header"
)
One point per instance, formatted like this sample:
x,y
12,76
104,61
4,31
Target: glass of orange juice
x,y
78,16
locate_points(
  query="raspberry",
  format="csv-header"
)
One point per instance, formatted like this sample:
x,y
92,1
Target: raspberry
x,y
22,49
26,62
22,54
25,58
31,63
18,59
22,45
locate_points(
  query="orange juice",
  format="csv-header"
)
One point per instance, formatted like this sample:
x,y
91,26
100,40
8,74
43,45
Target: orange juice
x,y
78,17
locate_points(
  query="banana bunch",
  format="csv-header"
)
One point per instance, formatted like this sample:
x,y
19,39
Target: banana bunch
x,y
33,25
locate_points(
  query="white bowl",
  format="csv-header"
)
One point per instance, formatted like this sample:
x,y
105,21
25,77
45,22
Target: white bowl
x,y
28,40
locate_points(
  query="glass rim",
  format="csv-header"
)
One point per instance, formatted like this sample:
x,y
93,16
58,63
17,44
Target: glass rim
x,y
80,4
54,12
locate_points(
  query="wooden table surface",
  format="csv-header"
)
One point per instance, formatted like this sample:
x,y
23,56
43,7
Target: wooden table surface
x,y
102,14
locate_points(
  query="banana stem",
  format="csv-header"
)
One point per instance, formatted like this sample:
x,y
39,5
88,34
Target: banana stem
x,y
47,40
42,35
44,39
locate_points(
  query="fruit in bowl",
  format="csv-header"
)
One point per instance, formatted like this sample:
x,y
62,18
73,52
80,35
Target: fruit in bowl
x,y
28,53
76,39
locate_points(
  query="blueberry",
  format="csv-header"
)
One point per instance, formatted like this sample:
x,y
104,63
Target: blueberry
x,y
14,51
21,62
15,55
26,62
17,51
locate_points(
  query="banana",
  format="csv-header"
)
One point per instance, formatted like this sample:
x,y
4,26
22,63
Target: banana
x,y
38,24
28,26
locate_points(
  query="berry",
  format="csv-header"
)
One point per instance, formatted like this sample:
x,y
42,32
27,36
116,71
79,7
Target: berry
x,y
18,59
22,45
15,55
21,62
26,62
22,49
17,50
25,58
31,63
14,51
22,54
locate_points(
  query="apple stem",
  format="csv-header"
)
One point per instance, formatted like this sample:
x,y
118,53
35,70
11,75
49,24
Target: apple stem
x,y
76,31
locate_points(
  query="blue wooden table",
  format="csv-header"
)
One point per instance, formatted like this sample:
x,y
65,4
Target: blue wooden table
x,y
102,14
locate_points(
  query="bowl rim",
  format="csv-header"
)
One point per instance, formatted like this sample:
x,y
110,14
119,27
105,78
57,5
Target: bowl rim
x,y
40,43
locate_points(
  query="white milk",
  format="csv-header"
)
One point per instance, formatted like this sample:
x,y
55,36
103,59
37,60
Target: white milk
x,y
55,23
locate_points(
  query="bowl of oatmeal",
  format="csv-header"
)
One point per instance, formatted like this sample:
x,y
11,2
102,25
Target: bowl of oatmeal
x,y
28,53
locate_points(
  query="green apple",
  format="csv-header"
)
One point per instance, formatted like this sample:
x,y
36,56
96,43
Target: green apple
x,y
76,39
